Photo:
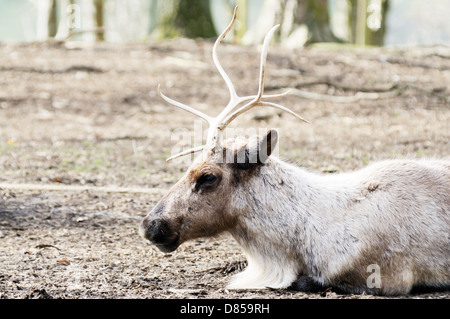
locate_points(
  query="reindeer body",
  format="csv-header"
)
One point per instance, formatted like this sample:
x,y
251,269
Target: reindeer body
x,y
308,231
393,214
304,230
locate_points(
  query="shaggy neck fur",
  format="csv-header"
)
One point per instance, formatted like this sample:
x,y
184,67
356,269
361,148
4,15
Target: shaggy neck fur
x,y
297,215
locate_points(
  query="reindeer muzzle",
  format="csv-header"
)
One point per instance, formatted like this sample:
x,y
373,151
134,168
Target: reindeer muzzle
x,y
159,232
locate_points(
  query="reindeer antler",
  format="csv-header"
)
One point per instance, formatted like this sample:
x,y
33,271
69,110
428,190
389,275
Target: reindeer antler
x,y
229,113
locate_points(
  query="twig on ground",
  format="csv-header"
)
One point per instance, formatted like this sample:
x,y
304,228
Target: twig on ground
x,y
344,99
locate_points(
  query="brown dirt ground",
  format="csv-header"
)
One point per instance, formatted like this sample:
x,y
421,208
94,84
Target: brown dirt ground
x,y
91,118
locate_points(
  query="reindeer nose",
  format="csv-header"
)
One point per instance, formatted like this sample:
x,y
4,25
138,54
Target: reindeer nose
x,y
156,230
160,233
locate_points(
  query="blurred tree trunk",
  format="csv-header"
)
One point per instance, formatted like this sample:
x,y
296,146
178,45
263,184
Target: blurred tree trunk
x,y
363,34
360,21
376,36
62,18
302,22
53,19
99,6
193,19
162,19
317,20
312,13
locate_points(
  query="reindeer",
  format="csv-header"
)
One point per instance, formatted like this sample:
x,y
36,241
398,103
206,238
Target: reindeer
x,y
384,229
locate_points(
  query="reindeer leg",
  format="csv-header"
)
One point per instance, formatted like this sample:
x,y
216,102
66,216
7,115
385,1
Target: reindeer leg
x,y
307,284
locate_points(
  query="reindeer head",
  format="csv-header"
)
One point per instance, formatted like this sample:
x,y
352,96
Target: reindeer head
x,y
201,203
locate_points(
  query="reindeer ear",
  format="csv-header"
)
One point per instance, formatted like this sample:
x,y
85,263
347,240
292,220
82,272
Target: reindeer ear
x,y
266,145
257,151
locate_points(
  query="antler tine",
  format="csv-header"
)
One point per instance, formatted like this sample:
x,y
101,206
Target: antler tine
x,y
283,108
233,94
256,99
250,105
183,106
189,151
262,68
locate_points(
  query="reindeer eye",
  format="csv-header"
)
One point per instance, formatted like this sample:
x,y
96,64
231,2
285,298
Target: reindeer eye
x,y
206,182
207,179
